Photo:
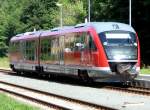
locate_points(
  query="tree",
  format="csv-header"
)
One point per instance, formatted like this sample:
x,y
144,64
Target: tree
x,y
141,22
108,10
73,12
9,22
38,14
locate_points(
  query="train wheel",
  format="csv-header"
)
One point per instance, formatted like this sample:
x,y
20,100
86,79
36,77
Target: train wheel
x,y
19,73
84,76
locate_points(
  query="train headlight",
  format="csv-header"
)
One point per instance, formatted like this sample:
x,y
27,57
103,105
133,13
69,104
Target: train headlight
x,y
134,67
119,57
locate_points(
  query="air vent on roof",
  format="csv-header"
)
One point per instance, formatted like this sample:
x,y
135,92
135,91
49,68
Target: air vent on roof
x,y
62,28
81,25
29,33
56,29
68,27
26,33
18,35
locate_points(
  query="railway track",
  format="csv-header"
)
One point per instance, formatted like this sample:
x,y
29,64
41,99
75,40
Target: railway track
x,y
47,99
71,102
129,89
6,70
135,90
132,88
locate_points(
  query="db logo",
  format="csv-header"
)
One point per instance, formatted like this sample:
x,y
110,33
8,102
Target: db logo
x,y
115,26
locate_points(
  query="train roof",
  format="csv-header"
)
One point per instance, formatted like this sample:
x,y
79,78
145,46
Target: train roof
x,y
108,26
98,26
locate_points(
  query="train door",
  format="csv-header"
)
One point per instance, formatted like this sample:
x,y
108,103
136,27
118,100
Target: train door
x,y
18,55
29,59
22,43
61,50
61,53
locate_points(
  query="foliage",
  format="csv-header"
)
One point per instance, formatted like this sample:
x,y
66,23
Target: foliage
x,y
145,71
38,14
141,23
73,12
106,10
8,22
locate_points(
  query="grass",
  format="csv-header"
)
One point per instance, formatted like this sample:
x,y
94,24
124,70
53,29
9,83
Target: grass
x,y
145,71
4,62
7,103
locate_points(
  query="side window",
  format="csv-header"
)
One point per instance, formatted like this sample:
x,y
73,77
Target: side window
x,y
69,42
91,43
50,48
84,41
14,47
45,49
30,50
54,49
79,43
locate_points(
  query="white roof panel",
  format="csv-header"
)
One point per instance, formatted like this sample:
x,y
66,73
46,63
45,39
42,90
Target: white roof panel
x,y
109,26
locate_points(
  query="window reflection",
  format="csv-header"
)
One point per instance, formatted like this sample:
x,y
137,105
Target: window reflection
x,y
30,50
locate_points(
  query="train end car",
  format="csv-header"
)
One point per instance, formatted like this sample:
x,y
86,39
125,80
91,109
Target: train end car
x,y
101,51
119,52
23,52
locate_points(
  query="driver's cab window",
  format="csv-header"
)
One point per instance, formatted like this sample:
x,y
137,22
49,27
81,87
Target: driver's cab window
x,y
84,41
90,42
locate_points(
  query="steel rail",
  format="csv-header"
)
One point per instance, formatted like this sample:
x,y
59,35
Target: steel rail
x,y
135,90
34,100
95,106
5,70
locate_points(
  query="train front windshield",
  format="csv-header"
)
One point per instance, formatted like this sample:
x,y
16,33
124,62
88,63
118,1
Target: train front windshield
x,y
119,45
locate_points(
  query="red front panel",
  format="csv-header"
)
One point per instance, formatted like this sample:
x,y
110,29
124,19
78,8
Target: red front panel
x,y
138,64
100,58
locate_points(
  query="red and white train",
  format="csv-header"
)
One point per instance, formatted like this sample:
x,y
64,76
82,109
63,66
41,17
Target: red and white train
x,y
101,51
